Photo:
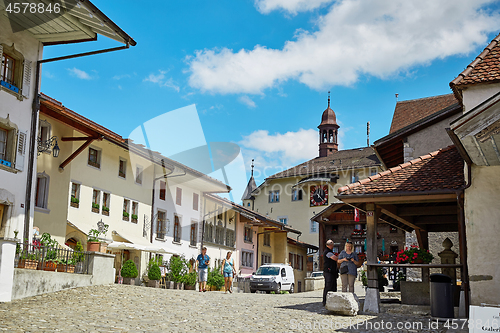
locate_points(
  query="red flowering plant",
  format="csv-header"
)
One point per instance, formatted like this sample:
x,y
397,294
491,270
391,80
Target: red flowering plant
x,y
413,255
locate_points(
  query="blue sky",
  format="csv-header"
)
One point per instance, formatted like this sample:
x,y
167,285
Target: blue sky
x,y
258,71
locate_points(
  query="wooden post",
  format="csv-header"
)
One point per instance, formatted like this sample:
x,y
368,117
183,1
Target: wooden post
x,y
372,298
423,243
322,244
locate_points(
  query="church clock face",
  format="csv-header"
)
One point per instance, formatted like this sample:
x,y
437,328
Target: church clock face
x,y
318,195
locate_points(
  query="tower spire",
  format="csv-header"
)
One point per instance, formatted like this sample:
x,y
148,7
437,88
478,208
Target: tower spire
x,y
328,98
252,166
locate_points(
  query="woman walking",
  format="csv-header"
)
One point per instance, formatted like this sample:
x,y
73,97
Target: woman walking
x,y
228,271
349,263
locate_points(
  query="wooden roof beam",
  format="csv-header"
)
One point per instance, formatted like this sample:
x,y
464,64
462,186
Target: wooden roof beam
x,y
391,211
76,153
429,210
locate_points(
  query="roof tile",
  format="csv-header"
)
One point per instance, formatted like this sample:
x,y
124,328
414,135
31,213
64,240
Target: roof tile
x,y
442,170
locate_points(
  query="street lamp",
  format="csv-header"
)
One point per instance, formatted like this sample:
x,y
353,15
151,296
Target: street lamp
x,y
43,146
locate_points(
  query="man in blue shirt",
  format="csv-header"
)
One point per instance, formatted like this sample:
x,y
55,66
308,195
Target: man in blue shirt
x,y
202,263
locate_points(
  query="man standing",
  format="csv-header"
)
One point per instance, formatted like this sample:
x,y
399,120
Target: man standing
x,y
202,262
329,270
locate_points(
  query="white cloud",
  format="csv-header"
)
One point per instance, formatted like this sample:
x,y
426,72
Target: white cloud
x,y
119,77
290,6
247,101
356,37
281,150
79,73
162,80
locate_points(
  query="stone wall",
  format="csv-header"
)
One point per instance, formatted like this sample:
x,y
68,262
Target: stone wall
x,y
29,282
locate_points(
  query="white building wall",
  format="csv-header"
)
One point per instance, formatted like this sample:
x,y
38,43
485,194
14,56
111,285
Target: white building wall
x,y
13,183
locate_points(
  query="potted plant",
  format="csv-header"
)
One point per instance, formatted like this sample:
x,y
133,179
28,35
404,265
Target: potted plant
x,y
129,272
28,261
215,279
93,241
105,211
397,283
66,265
134,218
154,276
177,268
189,281
95,208
74,202
125,216
78,257
51,252
364,279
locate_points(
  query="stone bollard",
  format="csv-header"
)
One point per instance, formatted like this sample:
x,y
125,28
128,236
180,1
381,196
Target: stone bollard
x,y
448,257
7,256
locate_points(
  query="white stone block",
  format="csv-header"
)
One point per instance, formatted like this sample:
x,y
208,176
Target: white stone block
x,y
346,304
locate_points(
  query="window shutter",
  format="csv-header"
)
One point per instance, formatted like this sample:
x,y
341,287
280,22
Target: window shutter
x,y
1,55
27,78
21,150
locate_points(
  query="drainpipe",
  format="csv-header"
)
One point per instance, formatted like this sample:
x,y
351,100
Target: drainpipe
x,y
33,133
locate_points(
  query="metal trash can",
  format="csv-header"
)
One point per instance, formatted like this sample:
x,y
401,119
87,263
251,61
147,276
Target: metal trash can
x,y
441,290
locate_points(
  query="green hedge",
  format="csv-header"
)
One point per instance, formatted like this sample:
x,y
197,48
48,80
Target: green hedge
x,y
129,270
154,272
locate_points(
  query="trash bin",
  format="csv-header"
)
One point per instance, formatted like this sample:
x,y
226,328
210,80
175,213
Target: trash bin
x,y
441,290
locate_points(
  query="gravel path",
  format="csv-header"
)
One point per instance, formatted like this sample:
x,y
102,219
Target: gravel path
x,y
121,308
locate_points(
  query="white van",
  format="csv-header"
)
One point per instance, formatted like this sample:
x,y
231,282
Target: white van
x,y
273,277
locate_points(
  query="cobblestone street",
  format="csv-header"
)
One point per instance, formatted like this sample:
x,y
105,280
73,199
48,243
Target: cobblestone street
x,y
120,308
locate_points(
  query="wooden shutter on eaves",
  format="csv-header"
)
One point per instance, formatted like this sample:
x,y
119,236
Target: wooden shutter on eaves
x,y
27,78
21,150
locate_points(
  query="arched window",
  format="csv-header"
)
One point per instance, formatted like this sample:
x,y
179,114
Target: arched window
x,y
325,139
330,136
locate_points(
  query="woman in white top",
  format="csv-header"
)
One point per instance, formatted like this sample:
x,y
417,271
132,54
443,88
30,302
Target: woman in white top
x,y
227,268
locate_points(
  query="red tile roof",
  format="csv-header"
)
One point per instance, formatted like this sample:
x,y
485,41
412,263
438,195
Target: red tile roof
x,y
439,170
409,112
484,69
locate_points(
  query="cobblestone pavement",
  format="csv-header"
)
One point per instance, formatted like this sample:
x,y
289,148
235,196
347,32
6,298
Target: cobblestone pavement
x,y
121,308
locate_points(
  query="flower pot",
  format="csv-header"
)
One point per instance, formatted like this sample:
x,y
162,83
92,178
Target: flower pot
x,y
154,283
49,266
105,212
169,285
179,285
189,287
103,247
95,210
74,204
125,218
93,246
134,220
419,261
65,268
130,281
27,264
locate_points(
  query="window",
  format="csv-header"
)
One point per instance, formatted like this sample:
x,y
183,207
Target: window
x,y
358,249
44,129
177,229
161,226
15,72
354,177
230,238
335,229
138,174
105,203
296,261
178,196
246,258
193,234
163,189
208,233
219,235
126,209
122,168
283,219
94,158
42,191
297,194
248,234
274,196
10,150
3,144
195,201
313,227
265,258
8,69
75,195
335,249
135,211
267,239
96,200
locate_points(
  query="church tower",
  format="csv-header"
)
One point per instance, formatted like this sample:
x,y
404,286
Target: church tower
x,y
328,132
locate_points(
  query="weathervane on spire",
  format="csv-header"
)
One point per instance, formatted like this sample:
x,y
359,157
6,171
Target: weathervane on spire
x,y
328,98
252,166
